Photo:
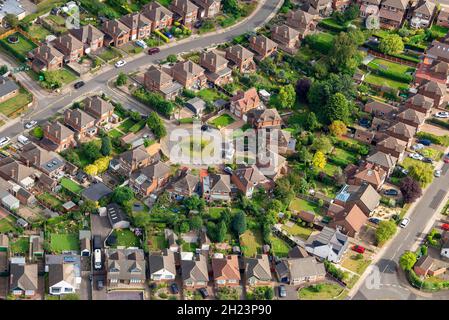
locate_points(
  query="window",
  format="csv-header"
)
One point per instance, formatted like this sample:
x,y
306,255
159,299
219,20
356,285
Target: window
x,y
68,289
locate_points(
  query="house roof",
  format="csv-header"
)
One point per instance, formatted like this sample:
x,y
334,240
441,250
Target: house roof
x,y
96,106
226,268
158,75
382,159
188,68
7,86
47,181
87,33
164,260
426,8
299,268
265,115
421,101
240,52
219,183
184,6
196,269
366,194
78,116
47,53
125,264
23,276
188,182
375,106
285,32
258,267
36,155
115,28
437,88
58,130
264,42
212,58
115,214
371,173
425,262
393,144
135,155
306,216
96,191
145,176
438,49
300,17
61,272
15,170
412,115
297,252
249,176
403,129
334,239
354,217
156,12
135,20
399,4
68,42
247,97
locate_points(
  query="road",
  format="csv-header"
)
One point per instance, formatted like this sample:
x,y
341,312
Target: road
x,y
50,105
388,284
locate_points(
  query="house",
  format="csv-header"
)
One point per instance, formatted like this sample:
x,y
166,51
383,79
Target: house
x,y
411,117
138,24
402,132
186,10
189,74
379,109
263,46
194,272
125,269
71,47
443,17
216,66
433,69
266,118
81,122
186,186
134,159
369,7
17,172
159,81
46,58
436,91
364,196
392,13
364,135
271,164
46,161
241,58
85,237
423,14
420,103
329,244
96,191
247,179
301,21
91,38
341,5
217,187
207,8
99,109
394,147
257,271
57,137
297,252
25,197
244,101
295,271
307,216
318,7
117,217
64,274
162,265
159,16
438,52
383,160
197,106
349,221
369,173
423,266
8,89
225,270
116,33
287,37
150,178
23,278
282,140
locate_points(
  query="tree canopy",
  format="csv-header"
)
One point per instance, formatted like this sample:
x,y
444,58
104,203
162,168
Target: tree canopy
x,y
407,260
391,44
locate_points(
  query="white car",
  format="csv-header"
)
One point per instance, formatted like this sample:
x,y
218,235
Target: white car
x,y
4,141
437,173
120,63
404,223
418,146
442,114
141,44
30,124
416,156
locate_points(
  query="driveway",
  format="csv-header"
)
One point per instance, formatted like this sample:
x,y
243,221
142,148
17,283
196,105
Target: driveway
x,y
122,295
292,292
100,226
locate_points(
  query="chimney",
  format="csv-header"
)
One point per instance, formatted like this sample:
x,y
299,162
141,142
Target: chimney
x,y
13,171
35,159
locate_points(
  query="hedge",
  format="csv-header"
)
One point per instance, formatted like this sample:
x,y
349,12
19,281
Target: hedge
x,y
441,140
401,77
331,25
417,282
13,52
417,47
360,149
438,122
155,101
334,271
337,161
398,55
162,36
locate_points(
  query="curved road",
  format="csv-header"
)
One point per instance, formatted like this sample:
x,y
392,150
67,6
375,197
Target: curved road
x,y
49,106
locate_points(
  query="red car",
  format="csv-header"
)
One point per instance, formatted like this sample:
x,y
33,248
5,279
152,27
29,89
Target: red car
x,y
446,158
358,249
445,226
153,51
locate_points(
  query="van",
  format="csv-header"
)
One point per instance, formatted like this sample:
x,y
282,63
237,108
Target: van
x,y
23,140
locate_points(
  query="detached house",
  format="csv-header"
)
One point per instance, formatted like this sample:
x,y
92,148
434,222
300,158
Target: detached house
x,y
217,187
329,244
91,37
383,160
318,7
394,147
402,132
244,101
420,103
186,10
301,21
246,179
64,274
150,178
438,51
162,266
226,270
186,186
443,17
159,16
139,25
80,121
257,271
287,37
241,58
349,221
364,196
392,13
369,7
216,66
71,47
117,34
300,270
207,8
125,269
369,173
47,162
157,80
266,118
412,118
423,14
263,46
134,159
98,108
17,172
432,69
195,273
23,277
189,74
46,58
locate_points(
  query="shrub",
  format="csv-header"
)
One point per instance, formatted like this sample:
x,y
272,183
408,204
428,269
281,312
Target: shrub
x,y
155,101
439,122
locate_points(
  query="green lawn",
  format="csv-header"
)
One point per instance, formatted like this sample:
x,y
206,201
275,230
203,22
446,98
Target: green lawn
x,y
71,185
251,242
20,246
345,156
109,54
50,200
379,81
138,126
126,125
157,242
301,204
356,265
327,291
12,107
126,238
7,224
38,32
382,64
64,242
114,133
441,31
56,19
279,247
432,153
209,95
22,47
215,213
321,42
191,247
297,230
63,75
222,121
330,169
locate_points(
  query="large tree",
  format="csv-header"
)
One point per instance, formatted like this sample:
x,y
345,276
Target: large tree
x,y
194,203
391,44
221,231
385,231
91,151
338,128
407,260
155,123
239,223
302,88
319,160
421,172
106,146
344,54
287,96
337,108
411,190
122,195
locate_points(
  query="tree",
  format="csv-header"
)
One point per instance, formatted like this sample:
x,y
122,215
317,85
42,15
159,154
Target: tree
x,y
135,115
410,189
106,146
155,123
338,128
352,12
304,155
184,227
102,164
319,160
221,231
91,170
312,122
337,108
38,133
407,260
287,96
391,44
196,222
172,58
88,206
194,203
11,20
231,7
385,231
421,172
302,88
122,79
91,151
121,195
239,223
3,69
343,54
322,144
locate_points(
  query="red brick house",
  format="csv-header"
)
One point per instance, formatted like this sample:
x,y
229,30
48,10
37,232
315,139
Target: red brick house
x,y
394,147
432,70
392,13
263,46
139,25
91,37
349,222
244,101
420,103
241,58
267,118
286,37
158,80
216,66
117,34
159,16
189,74
46,58
58,134
80,121
98,108
402,132
301,21
150,178
436,91
71,47
186,10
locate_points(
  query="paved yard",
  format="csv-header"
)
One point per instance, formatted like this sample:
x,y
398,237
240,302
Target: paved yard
x,y
100,226
426,127
121,295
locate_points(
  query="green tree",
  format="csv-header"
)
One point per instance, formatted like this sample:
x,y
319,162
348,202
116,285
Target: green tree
x,y
304,155
337,108
421,172
385,231
106,146
91,151
391,44
343,56
287,96
155,123
194,203
184,227
322,144
239,223
11,20
196,222
312,122
231,7
38,133
221,231
122,79
122,195
338,128
172,58
407,260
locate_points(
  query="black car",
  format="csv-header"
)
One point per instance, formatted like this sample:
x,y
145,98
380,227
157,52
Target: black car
x,y
427,160
79,84
282,291
174,288
391,192
364,123
203,292
204,127
374,220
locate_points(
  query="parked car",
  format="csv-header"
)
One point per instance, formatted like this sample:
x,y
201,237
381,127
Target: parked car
x,y
168,35
30,124
374,220
203,292
198,24
282,291
228,170
204,127
358,248
425,142
391,192
418,146
442,114
120,63
402,169
416,156
4,141
445,226
153,51
437,173
427,160
174,288
404,223
446,158
100,284
141,44
79,84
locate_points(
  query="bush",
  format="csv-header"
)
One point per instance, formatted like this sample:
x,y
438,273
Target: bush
x,y
439,122
155,101
441,140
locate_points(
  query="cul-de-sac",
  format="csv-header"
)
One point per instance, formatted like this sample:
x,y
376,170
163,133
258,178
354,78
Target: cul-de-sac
x,y
224,150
